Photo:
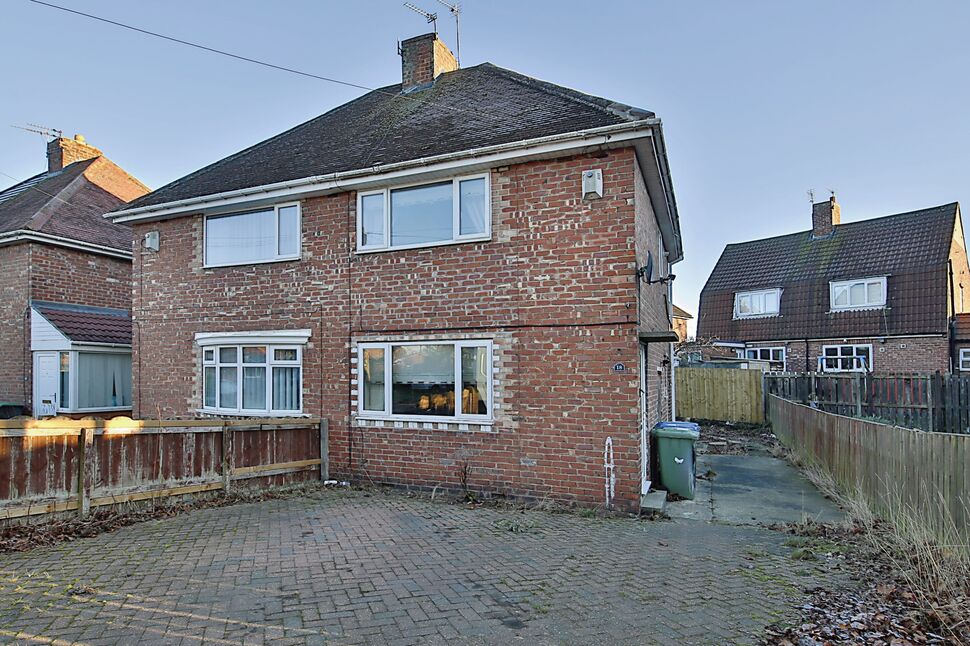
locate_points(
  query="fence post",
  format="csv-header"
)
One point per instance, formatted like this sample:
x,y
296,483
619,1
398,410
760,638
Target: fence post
x,y
324,449
811,387
857,378
930,383
85,470
227,459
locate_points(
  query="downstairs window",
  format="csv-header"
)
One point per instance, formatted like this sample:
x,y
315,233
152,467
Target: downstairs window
x,y
845,358
444,380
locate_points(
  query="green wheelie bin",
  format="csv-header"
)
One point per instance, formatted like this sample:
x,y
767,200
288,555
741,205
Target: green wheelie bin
x,y
675,456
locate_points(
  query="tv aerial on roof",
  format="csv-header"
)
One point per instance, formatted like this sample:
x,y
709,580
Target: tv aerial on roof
x,y
431,17
41,130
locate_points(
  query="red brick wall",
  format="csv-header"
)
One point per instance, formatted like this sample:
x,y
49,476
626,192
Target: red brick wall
x,y
554,289
65,275
15,261
920,354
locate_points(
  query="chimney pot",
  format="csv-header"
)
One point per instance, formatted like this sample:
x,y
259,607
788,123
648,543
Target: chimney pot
x,y
423,59
825,216
62,152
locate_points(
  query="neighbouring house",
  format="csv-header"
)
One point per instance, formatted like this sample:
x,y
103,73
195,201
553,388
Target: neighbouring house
x,y
452,270
680,318
65,288
877,295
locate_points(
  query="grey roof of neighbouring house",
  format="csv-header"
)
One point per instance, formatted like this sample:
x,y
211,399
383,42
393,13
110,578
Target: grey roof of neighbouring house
x,y
85,324
65,203
465,109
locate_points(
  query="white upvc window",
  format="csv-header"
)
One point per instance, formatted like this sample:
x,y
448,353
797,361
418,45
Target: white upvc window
x,y
753,304
846,358
861,294
775,356
964,359
270,234
426,380
96,380
252,373
424,215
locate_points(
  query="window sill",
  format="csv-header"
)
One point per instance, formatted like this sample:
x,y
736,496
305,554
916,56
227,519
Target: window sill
x,y
425,424
249,413
254,262
868,308
424,245
106,409
757,316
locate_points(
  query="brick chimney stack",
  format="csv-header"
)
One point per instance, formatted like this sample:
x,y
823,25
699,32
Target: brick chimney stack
x,y
63,152
825,215
423,59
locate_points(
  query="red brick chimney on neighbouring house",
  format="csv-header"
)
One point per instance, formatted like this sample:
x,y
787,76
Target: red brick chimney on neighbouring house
x,y
423,59
825,215
63,152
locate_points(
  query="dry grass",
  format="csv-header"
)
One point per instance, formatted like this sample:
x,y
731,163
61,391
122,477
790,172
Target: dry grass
x,y
932,562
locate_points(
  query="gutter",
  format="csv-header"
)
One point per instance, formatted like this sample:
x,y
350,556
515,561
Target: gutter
x,y
344,180
24,235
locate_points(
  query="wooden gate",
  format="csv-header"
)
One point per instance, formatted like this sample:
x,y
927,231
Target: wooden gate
x,y
722,394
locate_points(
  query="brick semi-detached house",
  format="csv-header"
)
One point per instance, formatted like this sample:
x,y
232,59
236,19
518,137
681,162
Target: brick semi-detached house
x,y
880,295
65,286
451,270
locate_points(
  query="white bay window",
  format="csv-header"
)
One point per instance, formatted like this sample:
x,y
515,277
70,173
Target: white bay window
x,y
252,373
426,380
454,210
266,235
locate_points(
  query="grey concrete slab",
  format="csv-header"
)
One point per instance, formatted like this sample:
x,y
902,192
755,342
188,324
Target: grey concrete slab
x,y
753,490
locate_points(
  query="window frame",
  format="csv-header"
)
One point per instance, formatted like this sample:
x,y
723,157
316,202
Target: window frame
x,y
458,417
239,365
854,346
757,292
963,356
278,257
837,284
72,380
456,236
771,350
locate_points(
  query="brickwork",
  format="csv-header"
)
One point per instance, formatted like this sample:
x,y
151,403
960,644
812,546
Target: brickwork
x,y
895,355
423,58
14,278
554,289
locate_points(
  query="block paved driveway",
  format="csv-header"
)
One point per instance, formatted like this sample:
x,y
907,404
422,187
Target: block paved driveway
x,y
348,567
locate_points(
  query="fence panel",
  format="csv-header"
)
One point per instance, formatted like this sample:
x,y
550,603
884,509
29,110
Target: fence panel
x,y
725,394
63,465
896,469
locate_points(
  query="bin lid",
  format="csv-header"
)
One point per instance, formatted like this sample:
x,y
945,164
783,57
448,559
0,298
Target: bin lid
x,y
678,430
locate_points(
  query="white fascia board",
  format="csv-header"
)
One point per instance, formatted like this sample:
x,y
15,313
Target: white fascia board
x,y
263,337
24,235
440,165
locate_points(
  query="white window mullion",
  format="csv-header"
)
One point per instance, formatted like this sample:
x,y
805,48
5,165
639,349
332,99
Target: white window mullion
x,y
387,219
388,379
455,210
458,379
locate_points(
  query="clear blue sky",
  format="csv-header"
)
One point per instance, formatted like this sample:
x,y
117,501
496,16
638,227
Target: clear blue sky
x,y
760,100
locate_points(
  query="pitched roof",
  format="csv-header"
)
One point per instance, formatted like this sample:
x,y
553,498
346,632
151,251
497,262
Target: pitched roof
x,y
875,247
681,313
71,203
83,324
910,248
465,109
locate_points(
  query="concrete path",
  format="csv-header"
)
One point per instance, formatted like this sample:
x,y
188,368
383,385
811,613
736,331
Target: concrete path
x,y
753,490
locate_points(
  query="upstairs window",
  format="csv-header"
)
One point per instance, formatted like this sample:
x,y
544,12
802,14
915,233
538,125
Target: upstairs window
x,y
864,294
754,304
422,216
267,235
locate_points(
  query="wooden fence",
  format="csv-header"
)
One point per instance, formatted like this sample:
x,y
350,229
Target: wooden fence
x,y
896,469
933,402
726,394
59,465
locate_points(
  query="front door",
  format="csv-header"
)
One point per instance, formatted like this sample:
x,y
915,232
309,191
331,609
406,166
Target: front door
x,y
46,383
644,423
